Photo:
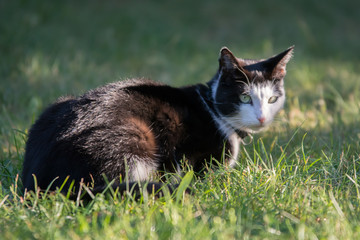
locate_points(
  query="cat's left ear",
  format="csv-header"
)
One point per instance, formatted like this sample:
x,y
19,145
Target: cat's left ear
x,y
227,60
277,64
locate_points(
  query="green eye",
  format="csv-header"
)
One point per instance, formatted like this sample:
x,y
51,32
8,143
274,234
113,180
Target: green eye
x,y
245,98
273,99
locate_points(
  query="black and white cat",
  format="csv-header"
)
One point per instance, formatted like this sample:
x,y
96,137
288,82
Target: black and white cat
x,y
137,128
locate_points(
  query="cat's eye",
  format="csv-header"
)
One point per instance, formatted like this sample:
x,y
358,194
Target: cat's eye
x,y
245,98
273,99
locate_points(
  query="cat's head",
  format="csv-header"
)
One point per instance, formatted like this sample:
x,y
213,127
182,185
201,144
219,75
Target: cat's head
x,y
249,93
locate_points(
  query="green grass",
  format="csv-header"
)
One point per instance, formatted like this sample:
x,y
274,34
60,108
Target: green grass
x,y
296,181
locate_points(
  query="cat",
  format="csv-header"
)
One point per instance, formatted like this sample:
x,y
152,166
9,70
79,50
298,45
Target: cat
x,y
137,128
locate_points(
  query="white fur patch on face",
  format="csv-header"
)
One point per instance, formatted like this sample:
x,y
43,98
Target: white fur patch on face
x,y
258,114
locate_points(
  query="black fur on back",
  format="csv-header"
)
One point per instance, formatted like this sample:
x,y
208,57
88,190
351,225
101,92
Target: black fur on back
x,y
136,120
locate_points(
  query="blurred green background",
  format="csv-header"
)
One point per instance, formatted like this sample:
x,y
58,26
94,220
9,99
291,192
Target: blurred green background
x,y
301,185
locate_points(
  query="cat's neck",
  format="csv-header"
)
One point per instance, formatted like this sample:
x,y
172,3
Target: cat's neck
x,y
232,136
206,94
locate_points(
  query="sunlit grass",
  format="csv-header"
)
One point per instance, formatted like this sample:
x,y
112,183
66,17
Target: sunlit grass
x,y
298,180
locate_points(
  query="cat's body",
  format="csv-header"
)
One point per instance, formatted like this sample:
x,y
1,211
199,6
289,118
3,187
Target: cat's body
x,y
138,128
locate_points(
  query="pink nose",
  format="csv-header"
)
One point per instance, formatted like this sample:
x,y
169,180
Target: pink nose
x,y
261,120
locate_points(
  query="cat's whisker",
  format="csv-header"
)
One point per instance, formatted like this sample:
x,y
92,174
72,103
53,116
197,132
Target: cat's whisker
x,y
256,76
245,75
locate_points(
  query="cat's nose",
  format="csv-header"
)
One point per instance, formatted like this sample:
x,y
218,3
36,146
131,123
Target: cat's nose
x,y
261,120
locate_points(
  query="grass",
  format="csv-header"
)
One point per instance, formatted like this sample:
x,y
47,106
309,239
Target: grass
x,y
296,181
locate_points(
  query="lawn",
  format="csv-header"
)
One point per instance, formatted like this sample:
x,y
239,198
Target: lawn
x,y
298,180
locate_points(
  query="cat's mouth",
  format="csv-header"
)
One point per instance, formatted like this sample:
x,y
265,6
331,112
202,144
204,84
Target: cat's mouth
x,y
249,127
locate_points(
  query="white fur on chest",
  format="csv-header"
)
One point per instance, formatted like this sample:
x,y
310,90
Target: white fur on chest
x,y
234,141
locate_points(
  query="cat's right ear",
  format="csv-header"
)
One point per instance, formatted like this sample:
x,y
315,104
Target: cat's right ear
x,y
227,60
278,63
